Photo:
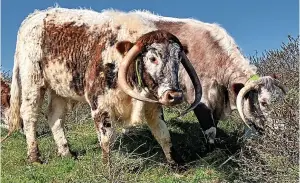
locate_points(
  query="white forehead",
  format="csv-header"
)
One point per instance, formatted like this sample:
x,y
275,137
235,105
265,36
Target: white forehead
x,y
162,47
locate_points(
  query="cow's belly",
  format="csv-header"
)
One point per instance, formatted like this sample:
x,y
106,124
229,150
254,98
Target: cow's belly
x,y
59,79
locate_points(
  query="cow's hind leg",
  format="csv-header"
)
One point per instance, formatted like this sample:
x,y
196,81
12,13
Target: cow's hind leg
x,y
161,133
105,132
32,97
206,120
56,115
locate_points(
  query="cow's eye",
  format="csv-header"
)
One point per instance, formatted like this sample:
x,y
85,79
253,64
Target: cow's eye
x,y
154,60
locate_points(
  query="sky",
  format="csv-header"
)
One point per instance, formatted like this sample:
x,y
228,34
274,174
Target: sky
x,y
255,25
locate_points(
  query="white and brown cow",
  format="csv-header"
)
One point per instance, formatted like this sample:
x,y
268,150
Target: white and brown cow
x,y
112,60
226,76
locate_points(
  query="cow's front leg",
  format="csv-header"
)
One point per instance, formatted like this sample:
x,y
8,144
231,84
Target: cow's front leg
x,y
56,115
161,133
105,133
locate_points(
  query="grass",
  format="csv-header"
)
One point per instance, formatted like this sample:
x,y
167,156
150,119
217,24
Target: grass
x,y
136,156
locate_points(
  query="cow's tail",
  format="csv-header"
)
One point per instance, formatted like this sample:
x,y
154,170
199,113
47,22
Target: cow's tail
x,y
14,120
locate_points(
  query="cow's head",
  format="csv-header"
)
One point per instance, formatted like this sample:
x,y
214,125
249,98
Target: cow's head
x,y
155,58
261,90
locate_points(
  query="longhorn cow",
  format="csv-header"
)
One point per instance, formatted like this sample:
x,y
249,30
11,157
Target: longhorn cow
x,y
111,60
228,80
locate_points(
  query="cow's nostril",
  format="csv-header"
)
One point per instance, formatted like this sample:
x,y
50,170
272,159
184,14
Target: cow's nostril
x,y
175,97
170,96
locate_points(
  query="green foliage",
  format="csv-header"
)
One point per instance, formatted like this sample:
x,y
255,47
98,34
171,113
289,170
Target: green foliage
x,y
136,157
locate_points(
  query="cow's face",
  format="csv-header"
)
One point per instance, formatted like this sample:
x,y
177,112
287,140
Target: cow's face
x,y
157,67
263,91
154,60
161,63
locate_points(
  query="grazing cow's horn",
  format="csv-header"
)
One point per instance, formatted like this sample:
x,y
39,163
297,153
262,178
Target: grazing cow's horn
x,y
195,80
251,86
123,68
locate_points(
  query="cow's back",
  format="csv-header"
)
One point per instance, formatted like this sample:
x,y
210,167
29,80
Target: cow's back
x,y
74,48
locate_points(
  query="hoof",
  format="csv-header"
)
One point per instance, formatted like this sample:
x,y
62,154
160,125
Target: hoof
x,y
64,152
71,154
35,161
210,147
176,158
74,155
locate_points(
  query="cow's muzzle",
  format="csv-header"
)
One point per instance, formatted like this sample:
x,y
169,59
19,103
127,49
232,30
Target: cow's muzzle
x,y
171,97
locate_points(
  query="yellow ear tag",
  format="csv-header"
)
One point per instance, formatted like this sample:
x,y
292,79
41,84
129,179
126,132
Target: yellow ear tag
x,y
254,77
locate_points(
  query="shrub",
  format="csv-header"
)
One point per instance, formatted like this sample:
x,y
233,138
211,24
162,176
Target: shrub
x,y
274,157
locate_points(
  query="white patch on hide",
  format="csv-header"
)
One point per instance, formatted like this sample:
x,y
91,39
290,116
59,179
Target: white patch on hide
x,y
211,134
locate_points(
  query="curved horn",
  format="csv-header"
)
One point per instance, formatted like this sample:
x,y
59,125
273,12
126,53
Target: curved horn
x,y
195,80
241,95
123,69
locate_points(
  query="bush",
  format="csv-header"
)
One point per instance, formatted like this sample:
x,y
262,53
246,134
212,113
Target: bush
x,y
274,157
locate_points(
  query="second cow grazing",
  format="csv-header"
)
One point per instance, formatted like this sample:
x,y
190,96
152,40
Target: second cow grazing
x,y
111,60
228,80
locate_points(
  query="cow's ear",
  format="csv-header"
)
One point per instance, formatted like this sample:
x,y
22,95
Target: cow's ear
x,y
236,87
124,46
185,48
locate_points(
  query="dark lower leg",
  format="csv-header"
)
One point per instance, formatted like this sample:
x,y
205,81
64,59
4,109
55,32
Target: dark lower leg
x,y
205,118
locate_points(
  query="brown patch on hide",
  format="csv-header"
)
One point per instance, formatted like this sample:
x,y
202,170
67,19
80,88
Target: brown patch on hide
x,y
150,84
124,46
236,87
158,36
102,122
118,27
172,27
5,95
131,75
100,78
110,75
80,50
